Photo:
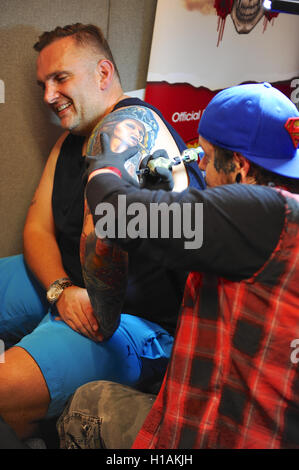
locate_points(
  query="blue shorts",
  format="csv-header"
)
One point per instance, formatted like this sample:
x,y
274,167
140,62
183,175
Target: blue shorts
x,y
137,354
23,302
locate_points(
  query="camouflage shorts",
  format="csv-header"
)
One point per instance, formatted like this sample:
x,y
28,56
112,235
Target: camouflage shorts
x,y
103,415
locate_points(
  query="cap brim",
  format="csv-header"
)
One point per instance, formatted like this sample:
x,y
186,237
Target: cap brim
x,y
289,168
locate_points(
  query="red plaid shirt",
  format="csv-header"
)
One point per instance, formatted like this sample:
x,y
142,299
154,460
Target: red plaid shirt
x,y
233,379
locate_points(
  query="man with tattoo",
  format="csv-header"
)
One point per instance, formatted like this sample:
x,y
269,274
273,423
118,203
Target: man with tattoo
x,y
54,352
232,381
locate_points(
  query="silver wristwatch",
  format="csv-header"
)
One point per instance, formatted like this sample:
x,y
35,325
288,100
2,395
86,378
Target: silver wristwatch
x,y
56,288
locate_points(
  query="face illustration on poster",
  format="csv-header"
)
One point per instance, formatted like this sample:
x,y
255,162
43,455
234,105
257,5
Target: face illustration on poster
x,y
245,14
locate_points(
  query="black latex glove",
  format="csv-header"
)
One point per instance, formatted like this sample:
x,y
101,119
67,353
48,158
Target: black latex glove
x,y
108,158
161,178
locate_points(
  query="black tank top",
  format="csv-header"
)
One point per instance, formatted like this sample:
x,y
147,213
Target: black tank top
x,y
153,292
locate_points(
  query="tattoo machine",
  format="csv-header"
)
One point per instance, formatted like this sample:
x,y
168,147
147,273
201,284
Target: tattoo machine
x,y
187,156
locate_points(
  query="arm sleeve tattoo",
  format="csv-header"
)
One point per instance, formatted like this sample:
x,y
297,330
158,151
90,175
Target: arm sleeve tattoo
x,y
104,268
104,264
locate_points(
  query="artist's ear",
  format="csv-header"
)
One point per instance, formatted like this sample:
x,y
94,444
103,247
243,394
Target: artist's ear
x,y
242,166
106,71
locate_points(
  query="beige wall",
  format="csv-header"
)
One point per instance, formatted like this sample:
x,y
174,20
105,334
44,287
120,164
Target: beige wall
x,y
27,134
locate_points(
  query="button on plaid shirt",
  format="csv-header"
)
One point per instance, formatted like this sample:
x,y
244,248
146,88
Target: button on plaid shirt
x,y
233,378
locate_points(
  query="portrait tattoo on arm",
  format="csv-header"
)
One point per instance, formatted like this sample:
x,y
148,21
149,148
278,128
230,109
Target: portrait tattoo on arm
x,y
127,127
104,264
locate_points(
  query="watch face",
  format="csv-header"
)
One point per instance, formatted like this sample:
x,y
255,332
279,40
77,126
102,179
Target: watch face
x,y
54,293
56,289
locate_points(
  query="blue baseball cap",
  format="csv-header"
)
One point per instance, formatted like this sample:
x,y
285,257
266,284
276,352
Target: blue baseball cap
x,y
258,121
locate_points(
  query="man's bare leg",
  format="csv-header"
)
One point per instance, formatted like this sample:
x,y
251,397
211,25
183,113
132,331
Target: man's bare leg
x,y
24,395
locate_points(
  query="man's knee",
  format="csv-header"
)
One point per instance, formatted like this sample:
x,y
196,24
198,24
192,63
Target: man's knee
x,y
23,302
24,395
103,415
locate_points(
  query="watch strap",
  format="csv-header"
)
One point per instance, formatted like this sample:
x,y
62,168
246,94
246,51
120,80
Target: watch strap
x,y
61,283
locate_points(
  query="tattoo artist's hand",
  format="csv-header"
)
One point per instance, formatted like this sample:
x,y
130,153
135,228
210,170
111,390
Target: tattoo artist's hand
x,y
75,310
160,176
108,158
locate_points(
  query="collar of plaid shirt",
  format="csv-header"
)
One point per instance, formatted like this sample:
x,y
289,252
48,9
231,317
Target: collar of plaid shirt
x,y
232,382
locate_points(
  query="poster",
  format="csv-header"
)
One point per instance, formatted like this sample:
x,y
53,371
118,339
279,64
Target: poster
x,y
197,50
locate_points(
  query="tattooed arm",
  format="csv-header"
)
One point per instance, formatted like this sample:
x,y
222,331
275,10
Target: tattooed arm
x,y
104,268
104,265
138,126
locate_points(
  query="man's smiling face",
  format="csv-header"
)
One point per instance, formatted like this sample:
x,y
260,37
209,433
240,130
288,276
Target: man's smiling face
x,y
68,74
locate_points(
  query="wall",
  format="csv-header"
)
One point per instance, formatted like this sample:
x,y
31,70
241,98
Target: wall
x,y
27,132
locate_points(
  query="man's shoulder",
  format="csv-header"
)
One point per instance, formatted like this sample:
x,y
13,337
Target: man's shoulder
x,y
68,146
70,143
59,143
135,101
134,122
151,116
55,151
130,101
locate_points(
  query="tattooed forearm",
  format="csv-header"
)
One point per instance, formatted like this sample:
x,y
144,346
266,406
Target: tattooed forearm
x,y
105,276
104,268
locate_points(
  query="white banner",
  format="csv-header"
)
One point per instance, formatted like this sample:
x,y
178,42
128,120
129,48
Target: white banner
x,y
190,62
